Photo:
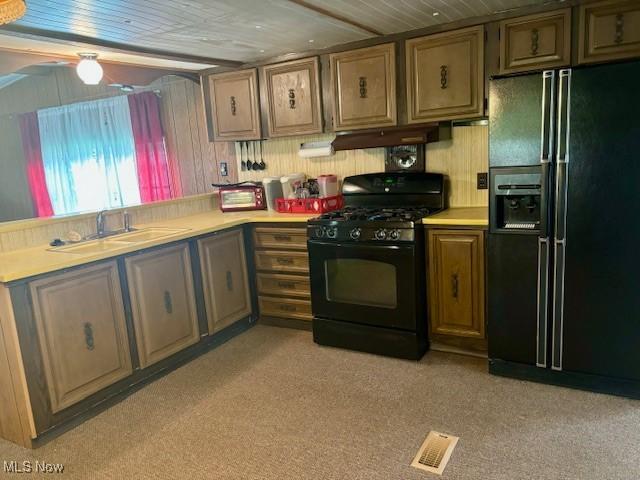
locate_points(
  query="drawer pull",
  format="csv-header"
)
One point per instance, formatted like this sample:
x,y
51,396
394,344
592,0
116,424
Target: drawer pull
x,y
284,261
535,37
444,80
288,308
168,303
454,285
88,336
289,285
363,87
229,281
233,105
282,238
619,28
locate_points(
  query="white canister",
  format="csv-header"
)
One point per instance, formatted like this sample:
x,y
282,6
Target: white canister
x,y
328,185
290,183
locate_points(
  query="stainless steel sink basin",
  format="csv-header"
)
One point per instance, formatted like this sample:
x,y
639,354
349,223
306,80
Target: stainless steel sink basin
x,y
148,234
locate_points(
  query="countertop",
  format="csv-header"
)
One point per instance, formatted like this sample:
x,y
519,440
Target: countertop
x,y
467,216
28,262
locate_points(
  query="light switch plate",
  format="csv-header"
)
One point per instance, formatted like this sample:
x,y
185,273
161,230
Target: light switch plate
x,y
483,181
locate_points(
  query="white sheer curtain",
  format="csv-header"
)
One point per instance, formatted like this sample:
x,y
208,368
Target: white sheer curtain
x,y
88,154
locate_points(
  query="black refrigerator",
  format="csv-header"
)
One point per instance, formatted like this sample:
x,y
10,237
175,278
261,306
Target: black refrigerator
x,y
564,236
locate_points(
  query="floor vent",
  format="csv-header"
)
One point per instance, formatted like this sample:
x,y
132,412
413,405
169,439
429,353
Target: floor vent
x,y
435,452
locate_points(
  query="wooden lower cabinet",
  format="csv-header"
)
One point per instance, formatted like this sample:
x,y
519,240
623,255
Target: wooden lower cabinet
x,y
282,272
81,331
456,291
225,280
163,302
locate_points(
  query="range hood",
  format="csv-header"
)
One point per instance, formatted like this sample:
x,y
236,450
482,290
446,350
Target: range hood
x,y
392,136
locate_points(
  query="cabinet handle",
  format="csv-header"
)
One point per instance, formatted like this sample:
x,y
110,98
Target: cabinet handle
x,y
233,106
282,238
454,285
363,87
289,285
444,73
535,37
287,308
168,303
229,281
88,336
619,28
284,261
292,98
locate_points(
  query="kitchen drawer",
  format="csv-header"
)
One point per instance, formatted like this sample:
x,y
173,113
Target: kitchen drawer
x,y
285,285
285,308
297,262
294,238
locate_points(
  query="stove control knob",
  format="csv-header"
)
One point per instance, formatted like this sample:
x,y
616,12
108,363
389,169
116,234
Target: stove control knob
x,y
394,234
381,234
332,232
319,232
355,233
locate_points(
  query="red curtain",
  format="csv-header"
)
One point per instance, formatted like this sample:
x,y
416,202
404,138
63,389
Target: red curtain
x,y
158,177
35,168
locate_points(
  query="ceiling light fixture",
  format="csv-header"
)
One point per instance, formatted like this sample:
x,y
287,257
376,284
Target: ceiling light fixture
x,y
435,14
11,10
88,69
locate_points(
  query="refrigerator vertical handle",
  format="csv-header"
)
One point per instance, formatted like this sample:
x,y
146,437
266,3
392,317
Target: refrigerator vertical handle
x,y
548,114
543,305
562,187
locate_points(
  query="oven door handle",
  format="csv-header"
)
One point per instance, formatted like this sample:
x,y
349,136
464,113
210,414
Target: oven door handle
x,y
358,245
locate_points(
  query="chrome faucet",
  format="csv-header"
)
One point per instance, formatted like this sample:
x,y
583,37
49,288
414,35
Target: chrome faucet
x,y
100,223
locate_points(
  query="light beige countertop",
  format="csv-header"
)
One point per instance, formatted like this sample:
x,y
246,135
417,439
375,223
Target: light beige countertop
x,y
25,263
467,216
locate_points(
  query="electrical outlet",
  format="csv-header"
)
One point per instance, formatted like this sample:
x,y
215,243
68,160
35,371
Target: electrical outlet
x,y
224,171
483,181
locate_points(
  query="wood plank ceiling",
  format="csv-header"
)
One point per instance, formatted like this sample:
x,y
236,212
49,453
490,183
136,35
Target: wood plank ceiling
x,y
246,30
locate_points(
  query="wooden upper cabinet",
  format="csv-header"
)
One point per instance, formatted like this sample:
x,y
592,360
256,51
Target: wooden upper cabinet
x,y
82,332
293,97
445,76
364,87
225,279
535,41
609,30
235,112
456,282
163,302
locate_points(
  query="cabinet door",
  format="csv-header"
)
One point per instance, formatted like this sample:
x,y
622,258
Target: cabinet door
x,y
364,87
82,332
445,76
163,302
456,282
235,110
535,42
293,96
609,30
225,279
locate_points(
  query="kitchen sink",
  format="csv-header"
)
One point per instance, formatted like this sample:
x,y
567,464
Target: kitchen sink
x,y
148,234
96,246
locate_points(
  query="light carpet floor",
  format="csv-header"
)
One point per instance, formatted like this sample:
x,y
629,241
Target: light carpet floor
x,y
271,405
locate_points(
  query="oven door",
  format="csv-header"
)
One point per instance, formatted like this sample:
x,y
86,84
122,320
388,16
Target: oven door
x,y
371,284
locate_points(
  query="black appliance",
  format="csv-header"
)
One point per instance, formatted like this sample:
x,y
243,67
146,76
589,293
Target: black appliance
x,y
367,264
563,250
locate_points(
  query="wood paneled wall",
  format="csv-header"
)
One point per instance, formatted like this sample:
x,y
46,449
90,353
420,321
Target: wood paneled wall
x,y
183,120
460,159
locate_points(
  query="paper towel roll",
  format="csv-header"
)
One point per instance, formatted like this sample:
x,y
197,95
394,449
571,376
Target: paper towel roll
x,y
315,149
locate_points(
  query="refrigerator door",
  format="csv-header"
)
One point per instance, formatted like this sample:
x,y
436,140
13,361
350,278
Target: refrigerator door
x,y
597,303
515,113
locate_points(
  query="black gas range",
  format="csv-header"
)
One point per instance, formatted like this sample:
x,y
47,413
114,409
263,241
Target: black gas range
x,y
367,264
